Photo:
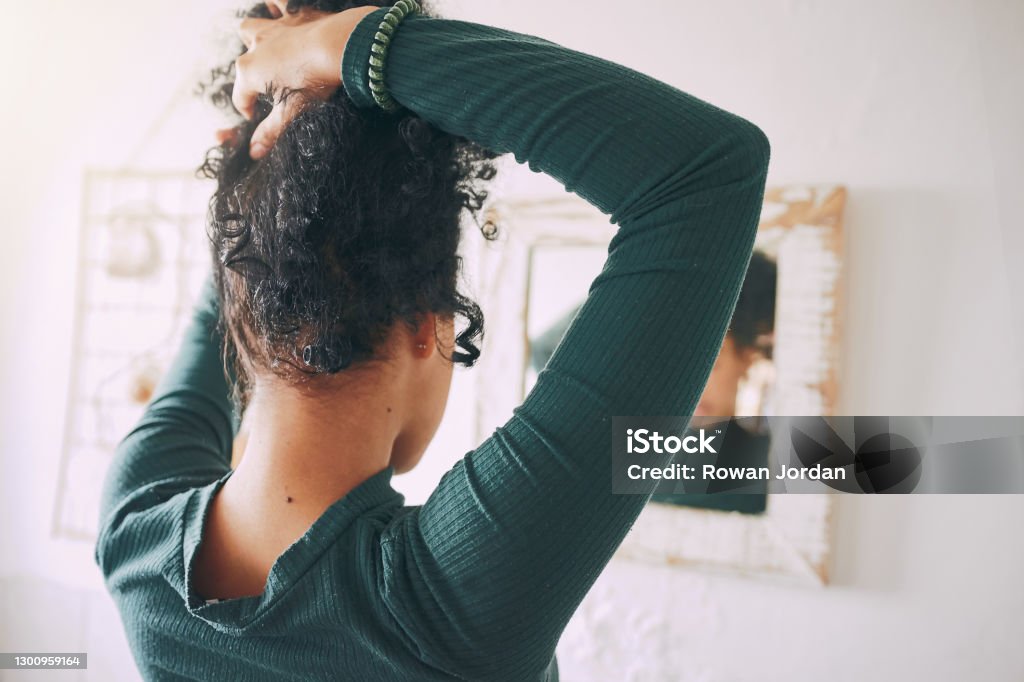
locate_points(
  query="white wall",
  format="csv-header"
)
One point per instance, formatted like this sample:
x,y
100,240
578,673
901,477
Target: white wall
x,y
912,105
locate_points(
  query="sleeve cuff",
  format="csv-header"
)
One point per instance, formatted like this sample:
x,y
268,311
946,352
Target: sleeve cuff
x,y
355,62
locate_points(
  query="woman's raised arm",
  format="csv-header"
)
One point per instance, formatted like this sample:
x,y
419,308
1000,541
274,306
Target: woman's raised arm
x,y
484,577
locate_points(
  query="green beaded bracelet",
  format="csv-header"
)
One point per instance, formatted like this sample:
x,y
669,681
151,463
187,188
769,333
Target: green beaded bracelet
x,y
379,51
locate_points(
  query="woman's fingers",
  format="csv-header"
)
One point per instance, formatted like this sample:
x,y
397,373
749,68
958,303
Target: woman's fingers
x,y
250,29
297,52
245,90
248,84
267,132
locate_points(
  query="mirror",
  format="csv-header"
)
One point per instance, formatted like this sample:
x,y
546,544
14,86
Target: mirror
x,y
779,357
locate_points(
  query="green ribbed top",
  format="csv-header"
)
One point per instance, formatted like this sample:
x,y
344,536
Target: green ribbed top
x,y
479,582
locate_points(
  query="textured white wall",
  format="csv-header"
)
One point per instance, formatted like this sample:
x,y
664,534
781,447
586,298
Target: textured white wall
x,y
913,105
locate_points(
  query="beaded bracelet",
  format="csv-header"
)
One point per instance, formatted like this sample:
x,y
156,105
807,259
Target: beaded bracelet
x,y
379,50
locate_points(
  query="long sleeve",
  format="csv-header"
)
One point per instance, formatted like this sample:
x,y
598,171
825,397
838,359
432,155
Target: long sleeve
x,y
184,436
483,578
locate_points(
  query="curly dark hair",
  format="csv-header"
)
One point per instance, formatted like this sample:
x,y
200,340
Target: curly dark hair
x,y
348,224
754,316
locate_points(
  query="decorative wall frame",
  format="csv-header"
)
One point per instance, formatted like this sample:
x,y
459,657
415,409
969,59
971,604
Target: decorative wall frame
x,y
142,258
801,225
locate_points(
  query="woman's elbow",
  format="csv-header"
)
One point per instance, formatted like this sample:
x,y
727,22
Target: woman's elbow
x,y
755,148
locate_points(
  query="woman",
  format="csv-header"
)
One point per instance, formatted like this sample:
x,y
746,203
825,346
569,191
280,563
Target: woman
x,y
303,562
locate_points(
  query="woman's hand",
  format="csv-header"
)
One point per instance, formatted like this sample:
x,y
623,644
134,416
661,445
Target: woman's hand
x,y
299,51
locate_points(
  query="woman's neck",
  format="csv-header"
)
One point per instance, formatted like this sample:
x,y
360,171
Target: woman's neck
x,y
303,453
301,456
